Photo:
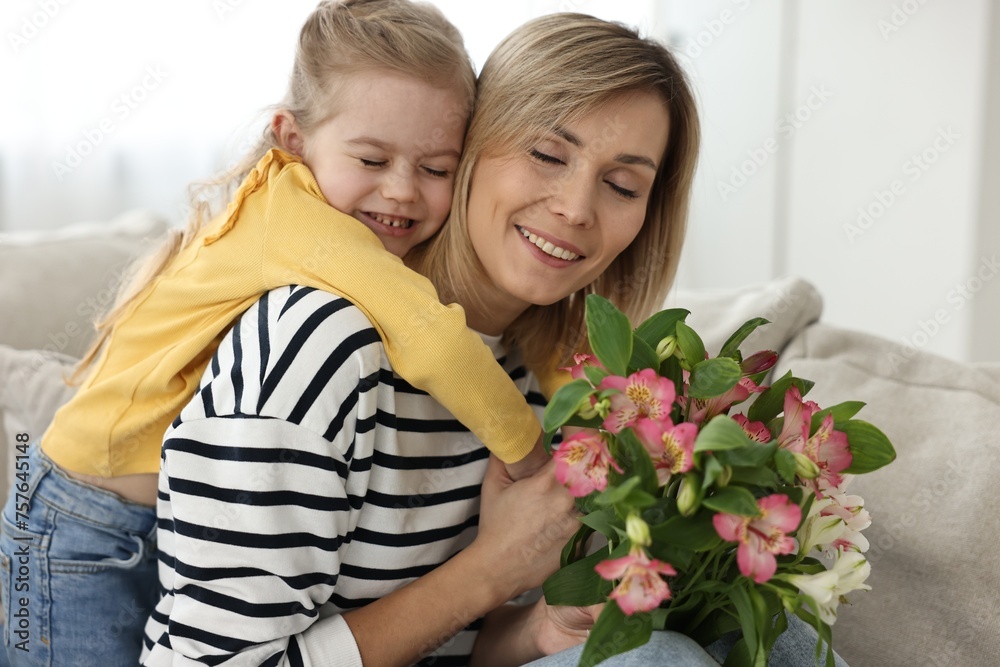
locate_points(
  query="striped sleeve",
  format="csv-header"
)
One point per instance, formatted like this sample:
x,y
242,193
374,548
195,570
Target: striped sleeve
x,y
260,487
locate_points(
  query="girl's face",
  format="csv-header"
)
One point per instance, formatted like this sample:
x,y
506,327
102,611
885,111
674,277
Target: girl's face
x,y
388,157
548,222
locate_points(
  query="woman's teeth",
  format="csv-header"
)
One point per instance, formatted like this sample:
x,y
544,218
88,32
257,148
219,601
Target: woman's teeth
x,y
391,220
548,247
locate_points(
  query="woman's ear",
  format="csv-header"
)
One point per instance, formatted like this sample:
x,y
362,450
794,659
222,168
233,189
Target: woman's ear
x,y
286,131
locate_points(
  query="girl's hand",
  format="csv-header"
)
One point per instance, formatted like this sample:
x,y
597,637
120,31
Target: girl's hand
x,y
559,628
523,527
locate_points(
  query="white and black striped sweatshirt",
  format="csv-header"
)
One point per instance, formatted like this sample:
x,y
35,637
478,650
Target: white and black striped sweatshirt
x,y
305,479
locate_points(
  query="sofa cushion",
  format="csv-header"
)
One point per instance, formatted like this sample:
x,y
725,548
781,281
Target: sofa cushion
x,y
32,388
53,284
934,534
789,303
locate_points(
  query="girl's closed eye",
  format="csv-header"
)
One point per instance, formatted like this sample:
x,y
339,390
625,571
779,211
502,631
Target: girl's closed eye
x,y
373,163
544,157
436,173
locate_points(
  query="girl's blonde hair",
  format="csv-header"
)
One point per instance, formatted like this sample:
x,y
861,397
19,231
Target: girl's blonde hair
x,y
544,75
340,38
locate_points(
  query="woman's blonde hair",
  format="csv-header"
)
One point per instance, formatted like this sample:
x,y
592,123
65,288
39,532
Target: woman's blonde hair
x,y
544,75
340,38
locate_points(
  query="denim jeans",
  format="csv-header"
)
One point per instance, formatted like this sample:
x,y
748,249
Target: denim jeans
x,y
77,570
794,648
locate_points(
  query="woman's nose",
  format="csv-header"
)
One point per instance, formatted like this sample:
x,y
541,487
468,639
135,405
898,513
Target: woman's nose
x,y
573,199
400,184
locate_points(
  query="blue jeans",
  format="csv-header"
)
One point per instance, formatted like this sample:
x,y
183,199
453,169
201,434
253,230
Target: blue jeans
x,y
78,572
794,648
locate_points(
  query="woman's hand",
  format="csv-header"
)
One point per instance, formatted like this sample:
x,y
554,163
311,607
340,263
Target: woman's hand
x,y
523,527
558,628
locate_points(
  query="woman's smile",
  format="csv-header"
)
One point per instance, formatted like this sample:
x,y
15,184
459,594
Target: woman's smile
x,y
554,252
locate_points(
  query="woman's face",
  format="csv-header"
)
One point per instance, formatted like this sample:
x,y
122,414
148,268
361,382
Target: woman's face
x,y
547,222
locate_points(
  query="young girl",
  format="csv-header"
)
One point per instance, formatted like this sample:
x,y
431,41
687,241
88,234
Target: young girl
x,y
360,159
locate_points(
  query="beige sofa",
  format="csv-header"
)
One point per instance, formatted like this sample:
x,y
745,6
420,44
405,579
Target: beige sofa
x,y
936,597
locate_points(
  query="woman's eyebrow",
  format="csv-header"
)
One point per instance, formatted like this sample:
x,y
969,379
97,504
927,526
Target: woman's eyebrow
x,y
623,158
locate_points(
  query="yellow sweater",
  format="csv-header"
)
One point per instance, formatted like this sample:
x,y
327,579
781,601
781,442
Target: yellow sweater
x,y
278,230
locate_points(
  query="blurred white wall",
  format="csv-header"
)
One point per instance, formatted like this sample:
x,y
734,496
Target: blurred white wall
x,y
847,141
811,110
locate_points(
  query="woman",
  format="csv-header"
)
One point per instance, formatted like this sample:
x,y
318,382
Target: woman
x,y
315,509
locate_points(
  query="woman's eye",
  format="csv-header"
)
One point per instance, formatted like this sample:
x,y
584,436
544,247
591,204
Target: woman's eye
x,y
436,173
623,192
372,163
545,157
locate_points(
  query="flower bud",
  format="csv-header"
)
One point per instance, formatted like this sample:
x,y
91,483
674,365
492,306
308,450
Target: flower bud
x,y
805,467
725,476
637,530
666,348
586,408
688,495
603,408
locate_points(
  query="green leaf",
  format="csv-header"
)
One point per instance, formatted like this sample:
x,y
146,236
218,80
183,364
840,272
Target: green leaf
x,y
719,434
610,334
714,377
672,554
690,344
755,477
577,420
578,584
643,356
604,521
572,549
771,402
661,325
635,460
564,403
696,533
870,448
595,374
733,500
712,467
615,633
671,369
732,344
748,622
752,455
841,413
784,461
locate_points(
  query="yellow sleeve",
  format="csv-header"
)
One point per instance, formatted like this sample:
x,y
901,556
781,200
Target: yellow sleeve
x,y
308,242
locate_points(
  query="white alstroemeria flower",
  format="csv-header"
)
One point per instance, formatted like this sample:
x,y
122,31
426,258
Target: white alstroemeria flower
x,y
819,530
828,589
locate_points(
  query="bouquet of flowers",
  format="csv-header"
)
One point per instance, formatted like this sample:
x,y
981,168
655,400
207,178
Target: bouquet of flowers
x,y
714,521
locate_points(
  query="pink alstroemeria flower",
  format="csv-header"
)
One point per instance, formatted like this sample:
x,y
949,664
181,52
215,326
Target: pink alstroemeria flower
x,y
642,395
761,537
671,447
759,362
580,361
582,463
827,448
756,431
641,587
705,409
